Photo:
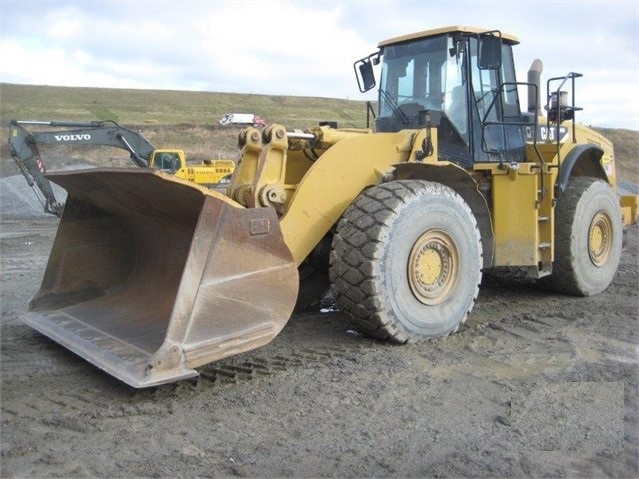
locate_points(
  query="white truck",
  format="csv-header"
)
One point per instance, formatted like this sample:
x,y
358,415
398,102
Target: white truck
x,y
242,119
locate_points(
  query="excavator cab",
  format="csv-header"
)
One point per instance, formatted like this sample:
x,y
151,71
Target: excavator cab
x,y
167,161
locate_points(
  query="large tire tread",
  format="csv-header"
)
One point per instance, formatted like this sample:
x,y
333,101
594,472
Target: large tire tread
x,y
566,277
358,246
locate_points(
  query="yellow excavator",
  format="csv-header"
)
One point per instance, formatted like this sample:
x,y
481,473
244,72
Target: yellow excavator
x,y
25,152
151,276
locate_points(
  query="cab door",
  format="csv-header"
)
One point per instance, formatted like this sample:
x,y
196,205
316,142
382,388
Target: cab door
x,y
498,133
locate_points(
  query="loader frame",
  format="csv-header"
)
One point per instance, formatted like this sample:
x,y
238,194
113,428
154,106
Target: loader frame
x,y
401,219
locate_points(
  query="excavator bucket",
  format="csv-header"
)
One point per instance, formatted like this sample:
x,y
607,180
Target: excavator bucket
x,y
151,276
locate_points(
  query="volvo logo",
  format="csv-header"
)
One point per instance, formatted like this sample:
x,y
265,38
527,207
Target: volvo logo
x,y
84,136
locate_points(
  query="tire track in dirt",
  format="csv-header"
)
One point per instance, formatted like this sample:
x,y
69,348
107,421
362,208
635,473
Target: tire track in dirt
x,y
489,347
337,394
234,370
101,406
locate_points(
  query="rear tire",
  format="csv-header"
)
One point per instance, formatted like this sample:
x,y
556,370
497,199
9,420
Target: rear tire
x,y
406,261
588,238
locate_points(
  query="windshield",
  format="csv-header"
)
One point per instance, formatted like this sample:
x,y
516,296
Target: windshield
x,y
167,162
429,81
423,75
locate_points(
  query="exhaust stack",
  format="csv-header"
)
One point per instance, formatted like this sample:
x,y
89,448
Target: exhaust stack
x,y
534,94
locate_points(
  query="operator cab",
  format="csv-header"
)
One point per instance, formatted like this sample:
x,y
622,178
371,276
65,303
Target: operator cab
x,y
167,161
458,79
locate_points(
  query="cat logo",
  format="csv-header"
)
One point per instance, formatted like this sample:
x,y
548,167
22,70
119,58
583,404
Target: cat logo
x,y
546,134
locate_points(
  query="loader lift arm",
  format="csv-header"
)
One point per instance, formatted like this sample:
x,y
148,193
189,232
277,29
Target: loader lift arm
x,y
24,148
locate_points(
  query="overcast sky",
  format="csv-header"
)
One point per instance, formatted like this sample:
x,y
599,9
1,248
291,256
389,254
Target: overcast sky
x,y
307,48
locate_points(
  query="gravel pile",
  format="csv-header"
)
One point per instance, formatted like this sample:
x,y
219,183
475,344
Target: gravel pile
x,y
19,200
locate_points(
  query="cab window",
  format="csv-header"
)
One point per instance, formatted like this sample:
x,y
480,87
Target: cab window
x,y
167,162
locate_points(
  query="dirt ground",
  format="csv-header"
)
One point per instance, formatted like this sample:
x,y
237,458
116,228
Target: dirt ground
x,y
534,385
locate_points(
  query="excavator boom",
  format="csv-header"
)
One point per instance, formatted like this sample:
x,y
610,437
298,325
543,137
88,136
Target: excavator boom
x,y
102,133
24,148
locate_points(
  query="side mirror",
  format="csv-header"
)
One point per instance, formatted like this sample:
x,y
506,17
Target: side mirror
x,y
364,72
490,52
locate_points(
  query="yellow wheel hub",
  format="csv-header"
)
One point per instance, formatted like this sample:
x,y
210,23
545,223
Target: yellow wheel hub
x,y
600,239
432,267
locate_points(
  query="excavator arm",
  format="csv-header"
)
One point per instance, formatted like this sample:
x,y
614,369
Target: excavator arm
x,y
24,148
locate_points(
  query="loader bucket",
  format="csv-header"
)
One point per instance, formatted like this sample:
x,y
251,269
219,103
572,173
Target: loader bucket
x,y
151,276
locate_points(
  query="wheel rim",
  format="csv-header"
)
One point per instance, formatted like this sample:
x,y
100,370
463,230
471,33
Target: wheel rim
x,y
600,239
432,267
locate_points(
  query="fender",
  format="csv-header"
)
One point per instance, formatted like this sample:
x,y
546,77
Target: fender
x,y
458,179
352,164
582,160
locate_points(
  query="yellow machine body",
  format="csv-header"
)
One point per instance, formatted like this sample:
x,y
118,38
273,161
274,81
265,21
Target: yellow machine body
x,y
151,275
209,173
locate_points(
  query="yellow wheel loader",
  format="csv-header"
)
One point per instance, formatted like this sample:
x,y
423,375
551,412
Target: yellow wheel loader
x,y
151,276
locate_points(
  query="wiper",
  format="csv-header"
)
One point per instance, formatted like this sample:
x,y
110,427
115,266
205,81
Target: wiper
x,y
397,111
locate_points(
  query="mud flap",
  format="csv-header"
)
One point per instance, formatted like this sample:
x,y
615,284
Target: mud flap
x,y
150,276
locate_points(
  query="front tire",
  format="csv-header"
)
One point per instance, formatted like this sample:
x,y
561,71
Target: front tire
x,y
588,238
406,261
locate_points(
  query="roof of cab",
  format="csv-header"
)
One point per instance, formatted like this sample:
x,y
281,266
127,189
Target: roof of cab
x,y
439,31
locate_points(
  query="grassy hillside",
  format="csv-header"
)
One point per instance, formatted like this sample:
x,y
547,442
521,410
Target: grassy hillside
x,y
169,107
170,119
189,120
